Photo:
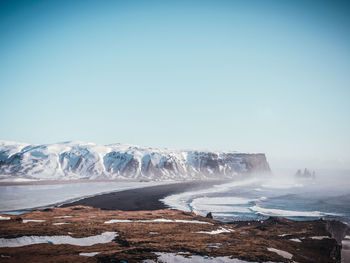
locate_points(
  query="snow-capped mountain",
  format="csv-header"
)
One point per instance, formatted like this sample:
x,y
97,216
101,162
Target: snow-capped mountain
x,y
79,160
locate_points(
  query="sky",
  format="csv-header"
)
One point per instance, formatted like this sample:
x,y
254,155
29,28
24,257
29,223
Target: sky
x,y
251,76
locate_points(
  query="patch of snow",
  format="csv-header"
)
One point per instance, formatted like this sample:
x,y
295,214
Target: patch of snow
x,y
105,237
62,216
176,258
112,221
282,253
32,220
215,232
5,218
283,235
295,240
90,254
320,237
347,237
158,220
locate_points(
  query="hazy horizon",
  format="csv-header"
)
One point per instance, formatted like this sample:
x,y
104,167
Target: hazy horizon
x,y
247,76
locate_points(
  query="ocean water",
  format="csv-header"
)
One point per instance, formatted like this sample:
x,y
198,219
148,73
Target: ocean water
x,y
327,196
18,199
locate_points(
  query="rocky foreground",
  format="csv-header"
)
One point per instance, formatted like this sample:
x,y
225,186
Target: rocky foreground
x,y
85,234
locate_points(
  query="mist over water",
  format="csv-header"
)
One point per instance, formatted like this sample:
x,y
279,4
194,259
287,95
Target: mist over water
x,y
327,196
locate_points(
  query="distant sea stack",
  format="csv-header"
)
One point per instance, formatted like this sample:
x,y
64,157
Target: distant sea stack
x,y
79,160
305,174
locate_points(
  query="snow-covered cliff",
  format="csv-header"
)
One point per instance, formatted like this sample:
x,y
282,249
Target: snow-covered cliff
x,y
79,160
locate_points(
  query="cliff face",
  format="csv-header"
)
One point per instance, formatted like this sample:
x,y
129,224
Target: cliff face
x,y
75,160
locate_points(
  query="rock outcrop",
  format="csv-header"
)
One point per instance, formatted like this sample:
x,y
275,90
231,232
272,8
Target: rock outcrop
x,y
306,174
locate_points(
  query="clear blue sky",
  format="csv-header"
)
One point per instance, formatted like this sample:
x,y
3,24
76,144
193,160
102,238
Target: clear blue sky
x,y
257,76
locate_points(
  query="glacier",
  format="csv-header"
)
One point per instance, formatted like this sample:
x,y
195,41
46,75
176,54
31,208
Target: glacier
x,y
81,160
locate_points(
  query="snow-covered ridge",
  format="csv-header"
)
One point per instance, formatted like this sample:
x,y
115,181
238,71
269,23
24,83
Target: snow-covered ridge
x,y
79,160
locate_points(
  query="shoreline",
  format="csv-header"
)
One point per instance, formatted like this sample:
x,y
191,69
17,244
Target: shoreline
x,y
131,185
146,198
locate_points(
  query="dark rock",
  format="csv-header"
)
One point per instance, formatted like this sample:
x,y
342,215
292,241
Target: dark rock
x,y
209,215
19,219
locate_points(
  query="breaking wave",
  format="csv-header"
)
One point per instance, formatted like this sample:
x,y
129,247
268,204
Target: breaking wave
x,y
258,198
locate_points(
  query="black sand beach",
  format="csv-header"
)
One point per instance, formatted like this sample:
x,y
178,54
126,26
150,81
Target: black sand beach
x,y
142,198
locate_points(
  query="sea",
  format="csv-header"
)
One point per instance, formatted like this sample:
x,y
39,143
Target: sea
x,y
254,198
283,195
